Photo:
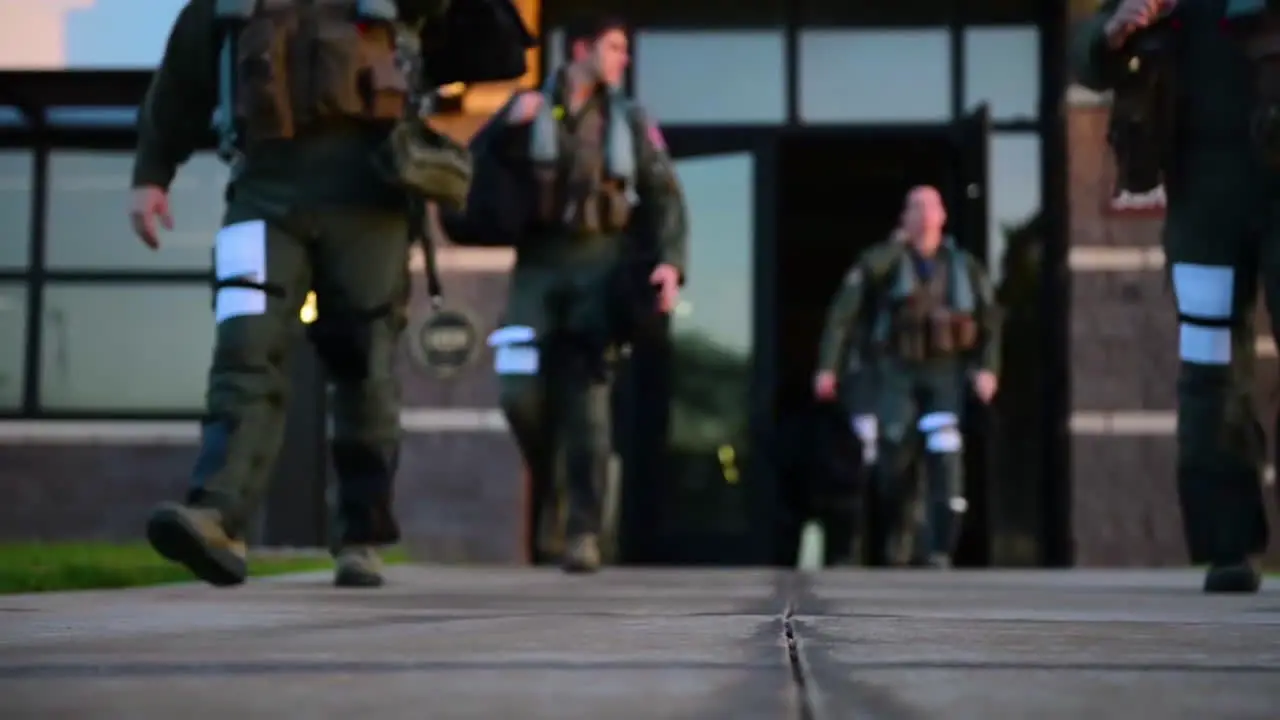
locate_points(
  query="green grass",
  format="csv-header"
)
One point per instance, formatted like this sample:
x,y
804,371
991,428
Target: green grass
x,y
50,567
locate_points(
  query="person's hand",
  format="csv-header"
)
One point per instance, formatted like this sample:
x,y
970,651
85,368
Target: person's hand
x,y
667,279
149,204
985,384
524,108
824,386
1132,16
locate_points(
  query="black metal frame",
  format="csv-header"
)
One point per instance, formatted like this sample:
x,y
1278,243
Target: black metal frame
x,y
1051,19
35,93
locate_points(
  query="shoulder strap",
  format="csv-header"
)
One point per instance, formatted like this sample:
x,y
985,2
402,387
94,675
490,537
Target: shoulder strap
x,y
882,260
230,16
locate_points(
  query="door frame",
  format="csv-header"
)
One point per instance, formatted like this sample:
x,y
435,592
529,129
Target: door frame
x,y
644,424
646,378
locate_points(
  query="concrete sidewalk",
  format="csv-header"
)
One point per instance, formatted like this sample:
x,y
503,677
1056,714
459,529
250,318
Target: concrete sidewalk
x,y
450,643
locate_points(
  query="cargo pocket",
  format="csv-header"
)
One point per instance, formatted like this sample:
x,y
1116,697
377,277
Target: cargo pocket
x,y
941,341
262,86
340,81
617,207
965,331
388,87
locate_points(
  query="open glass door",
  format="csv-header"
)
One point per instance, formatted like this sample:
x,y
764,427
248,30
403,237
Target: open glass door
x,y
691,493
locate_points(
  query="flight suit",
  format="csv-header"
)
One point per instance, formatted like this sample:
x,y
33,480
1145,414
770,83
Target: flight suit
x,y
934,323
594,172
858,388
309,207
859,383
1221,240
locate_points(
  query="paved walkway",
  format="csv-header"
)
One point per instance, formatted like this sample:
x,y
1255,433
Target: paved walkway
x,y
450,643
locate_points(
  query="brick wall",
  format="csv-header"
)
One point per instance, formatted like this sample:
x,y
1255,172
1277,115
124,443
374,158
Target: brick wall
x,y
1123,368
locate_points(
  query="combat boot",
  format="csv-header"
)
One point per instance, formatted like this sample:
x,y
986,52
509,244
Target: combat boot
x,y
1241,578
358,566
583,555
195,538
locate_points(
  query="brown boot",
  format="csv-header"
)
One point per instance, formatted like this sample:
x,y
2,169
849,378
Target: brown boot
x,y
358,566
194,537
583,555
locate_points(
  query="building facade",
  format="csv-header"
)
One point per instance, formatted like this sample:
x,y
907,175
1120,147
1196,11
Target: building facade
x,y
104,345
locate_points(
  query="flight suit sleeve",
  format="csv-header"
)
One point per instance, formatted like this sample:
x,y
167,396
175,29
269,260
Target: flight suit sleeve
x,y
176,114
1093,63
990,320
660,192
842,319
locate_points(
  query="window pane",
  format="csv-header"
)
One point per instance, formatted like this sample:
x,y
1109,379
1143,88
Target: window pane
x,y
11,117
875,76
88,227
13,343
16,169
118,33
690,78
720,192
1014,197
712,342
125,347
1002,69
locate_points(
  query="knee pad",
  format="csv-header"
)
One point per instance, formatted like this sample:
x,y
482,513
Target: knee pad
x,y
867,430
517,362
941,431
1206,310
515,351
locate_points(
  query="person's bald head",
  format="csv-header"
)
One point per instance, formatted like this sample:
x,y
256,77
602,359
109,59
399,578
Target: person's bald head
x,y
924,216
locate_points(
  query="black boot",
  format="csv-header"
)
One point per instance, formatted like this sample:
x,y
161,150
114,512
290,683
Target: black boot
x,y
1234,577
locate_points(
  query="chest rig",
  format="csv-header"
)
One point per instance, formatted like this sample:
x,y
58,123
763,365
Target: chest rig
x,y
585,167
1256,24
928,318
290,66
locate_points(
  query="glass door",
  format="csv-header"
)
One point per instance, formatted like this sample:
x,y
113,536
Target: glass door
x,y
692,489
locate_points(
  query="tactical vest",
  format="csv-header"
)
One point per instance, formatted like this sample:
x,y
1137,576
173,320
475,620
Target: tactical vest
x,y
1258,29
928,319
590,188
289,66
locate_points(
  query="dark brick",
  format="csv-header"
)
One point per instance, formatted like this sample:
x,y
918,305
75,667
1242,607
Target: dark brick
x,y
1124,345
1123,358
460,496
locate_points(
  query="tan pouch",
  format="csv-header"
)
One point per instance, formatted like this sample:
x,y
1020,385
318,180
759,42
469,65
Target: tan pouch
x,y
588,219
908,336
263,103
941,342
429,164
964,331
617,207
